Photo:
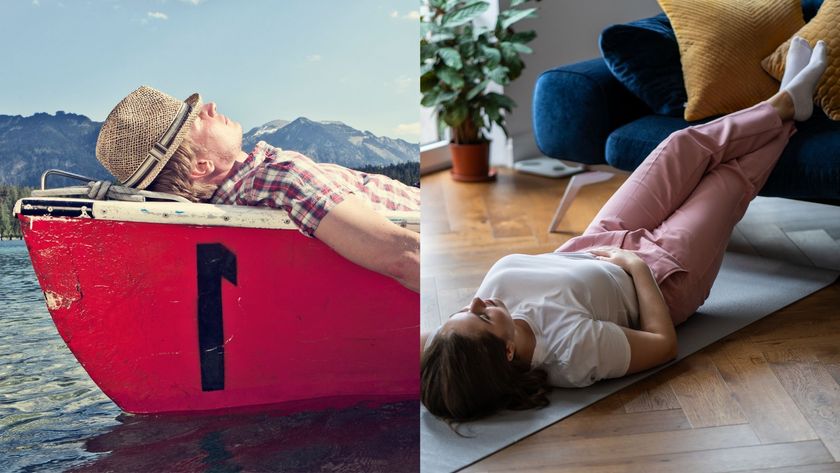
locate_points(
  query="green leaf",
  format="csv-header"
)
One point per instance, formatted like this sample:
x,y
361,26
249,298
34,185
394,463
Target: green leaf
x,y
437,3
441,37
501,101
493,113
456,115
493,56
516,3
464,14
522,37
446,97
522,48
517,15
451,58
451,78
436,96
515,67
430,99
477,89
426,28
509,54
427,51
499,75
426,67
427,81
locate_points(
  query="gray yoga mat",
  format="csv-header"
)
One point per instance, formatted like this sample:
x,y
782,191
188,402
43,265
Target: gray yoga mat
x,y
747,289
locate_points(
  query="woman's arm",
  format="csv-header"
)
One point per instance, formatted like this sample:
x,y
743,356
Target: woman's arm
x,y
656,342
365,237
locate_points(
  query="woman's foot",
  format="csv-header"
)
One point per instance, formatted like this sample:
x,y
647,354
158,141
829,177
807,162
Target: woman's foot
x,y
801,88
798,55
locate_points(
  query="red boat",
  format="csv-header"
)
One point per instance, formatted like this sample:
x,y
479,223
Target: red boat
x,y
174,307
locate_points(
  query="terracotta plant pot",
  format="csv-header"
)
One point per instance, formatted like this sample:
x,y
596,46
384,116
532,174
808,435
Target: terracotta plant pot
x,y
471,163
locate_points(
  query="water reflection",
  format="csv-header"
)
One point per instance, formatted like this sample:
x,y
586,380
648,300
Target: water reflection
x,y
362,438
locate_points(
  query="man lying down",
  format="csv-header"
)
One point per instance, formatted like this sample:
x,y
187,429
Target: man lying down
x,y
154,141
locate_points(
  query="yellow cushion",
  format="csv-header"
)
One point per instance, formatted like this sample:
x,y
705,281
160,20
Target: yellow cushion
x,y
722,43
824,26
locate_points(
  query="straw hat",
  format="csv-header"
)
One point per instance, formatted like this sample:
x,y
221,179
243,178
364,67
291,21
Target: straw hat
x,y
142,132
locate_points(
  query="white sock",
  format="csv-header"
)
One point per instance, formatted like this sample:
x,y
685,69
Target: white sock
x,y
801,88
799,53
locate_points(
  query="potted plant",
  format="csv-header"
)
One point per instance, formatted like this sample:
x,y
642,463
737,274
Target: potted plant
x,y
459,58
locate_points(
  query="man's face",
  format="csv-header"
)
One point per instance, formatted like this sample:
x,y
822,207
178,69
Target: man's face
x,y
216,138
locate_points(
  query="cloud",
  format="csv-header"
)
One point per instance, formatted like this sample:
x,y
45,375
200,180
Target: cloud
x,y
408,129
411,15
401,84
36,3
193,2
313,58
156,15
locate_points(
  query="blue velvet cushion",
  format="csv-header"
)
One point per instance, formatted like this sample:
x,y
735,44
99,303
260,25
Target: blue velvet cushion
x,y
809,8
807,169
643,55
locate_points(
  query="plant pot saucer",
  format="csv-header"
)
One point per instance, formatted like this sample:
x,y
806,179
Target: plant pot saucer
x,y
491,176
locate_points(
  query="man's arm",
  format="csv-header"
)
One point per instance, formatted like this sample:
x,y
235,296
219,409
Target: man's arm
x,y
360,234
656,342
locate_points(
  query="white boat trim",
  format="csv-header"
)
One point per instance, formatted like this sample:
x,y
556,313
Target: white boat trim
x,y
182,213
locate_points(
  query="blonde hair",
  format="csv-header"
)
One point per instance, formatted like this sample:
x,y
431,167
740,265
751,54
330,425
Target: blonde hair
x,y
175,178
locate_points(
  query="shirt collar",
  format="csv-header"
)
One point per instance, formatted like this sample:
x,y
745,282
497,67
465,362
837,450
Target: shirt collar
x,y
260,153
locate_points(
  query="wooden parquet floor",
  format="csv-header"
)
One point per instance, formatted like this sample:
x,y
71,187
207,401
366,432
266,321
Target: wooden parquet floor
x,y
764,399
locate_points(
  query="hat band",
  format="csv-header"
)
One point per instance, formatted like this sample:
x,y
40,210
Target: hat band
x,y
160,148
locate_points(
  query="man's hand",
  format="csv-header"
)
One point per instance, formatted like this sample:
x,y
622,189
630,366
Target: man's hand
x,y
627,260
365,237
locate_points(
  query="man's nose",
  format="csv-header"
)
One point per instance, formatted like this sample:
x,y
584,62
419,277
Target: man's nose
x,y
210,107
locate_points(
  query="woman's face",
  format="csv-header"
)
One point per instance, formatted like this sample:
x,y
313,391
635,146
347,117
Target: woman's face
x,y
482,315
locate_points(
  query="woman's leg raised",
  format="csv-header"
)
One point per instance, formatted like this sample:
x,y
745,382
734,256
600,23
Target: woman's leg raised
x,y
697,232
670,173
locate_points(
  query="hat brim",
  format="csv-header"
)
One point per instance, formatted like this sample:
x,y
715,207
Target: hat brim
x,y
194,101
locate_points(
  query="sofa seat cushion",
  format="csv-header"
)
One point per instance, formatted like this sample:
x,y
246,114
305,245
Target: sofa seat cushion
x,y
808,169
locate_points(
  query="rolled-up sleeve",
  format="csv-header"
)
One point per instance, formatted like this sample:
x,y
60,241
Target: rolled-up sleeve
x,y
300,188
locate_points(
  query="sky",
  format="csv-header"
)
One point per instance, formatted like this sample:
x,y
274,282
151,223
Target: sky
x,y
354,61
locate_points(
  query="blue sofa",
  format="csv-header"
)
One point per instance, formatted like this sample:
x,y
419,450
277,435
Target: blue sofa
x,y
581,113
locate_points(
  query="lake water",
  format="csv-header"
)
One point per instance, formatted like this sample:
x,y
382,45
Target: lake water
x,y
54,418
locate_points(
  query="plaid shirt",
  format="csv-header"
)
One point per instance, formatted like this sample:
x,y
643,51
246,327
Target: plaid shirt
x,y
306,190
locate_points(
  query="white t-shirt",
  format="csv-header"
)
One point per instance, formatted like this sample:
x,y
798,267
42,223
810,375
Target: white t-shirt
x,y
574,303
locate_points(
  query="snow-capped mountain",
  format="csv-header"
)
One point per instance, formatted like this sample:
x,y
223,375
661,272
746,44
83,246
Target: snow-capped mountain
x,y
333,142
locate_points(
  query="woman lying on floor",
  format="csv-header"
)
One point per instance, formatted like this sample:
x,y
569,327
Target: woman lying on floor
x,y
605,304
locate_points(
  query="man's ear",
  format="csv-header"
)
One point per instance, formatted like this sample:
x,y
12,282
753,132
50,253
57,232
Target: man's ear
x,y
201,168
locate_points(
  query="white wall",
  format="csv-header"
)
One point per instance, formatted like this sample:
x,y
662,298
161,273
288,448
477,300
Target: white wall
x,y
567,31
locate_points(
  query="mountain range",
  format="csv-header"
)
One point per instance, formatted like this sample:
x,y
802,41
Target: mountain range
x,y
30,145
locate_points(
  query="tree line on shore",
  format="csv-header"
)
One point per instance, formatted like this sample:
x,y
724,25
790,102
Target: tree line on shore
x,y
9,224
407,173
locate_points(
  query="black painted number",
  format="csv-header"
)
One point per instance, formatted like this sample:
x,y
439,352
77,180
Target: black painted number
x,y
214,263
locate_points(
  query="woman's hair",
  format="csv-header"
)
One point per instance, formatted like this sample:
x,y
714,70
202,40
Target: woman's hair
x,y
464,378
175,178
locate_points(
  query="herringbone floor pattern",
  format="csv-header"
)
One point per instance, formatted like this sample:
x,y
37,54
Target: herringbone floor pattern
x,y
764,399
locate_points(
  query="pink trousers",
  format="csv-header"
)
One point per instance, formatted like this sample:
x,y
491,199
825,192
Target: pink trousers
x,y
678,208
